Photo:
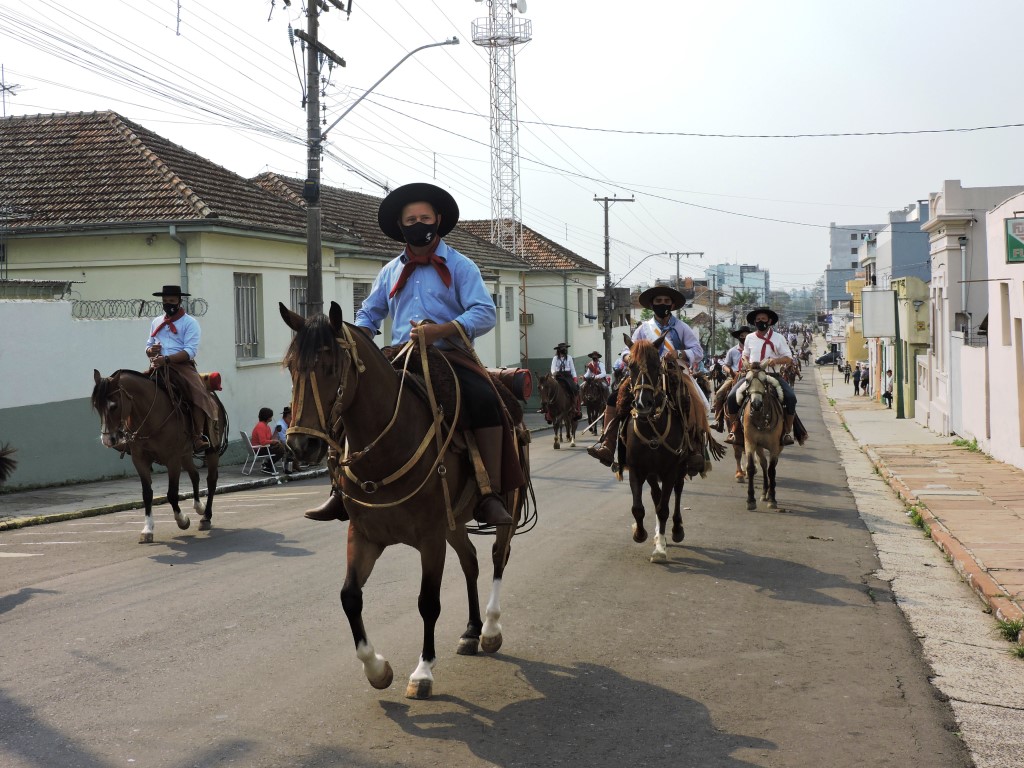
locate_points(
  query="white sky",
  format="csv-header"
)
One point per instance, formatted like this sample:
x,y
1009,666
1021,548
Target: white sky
x,y
738,67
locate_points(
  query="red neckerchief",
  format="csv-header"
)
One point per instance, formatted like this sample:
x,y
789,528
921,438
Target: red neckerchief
x,y
767,342
739,366
594,366
412,262
169,322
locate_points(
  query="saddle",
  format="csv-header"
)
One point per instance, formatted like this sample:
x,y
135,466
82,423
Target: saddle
x,y
443,379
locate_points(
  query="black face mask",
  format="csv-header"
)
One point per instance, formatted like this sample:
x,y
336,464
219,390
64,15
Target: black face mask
x,y
419,234
662,310
170,309
762,325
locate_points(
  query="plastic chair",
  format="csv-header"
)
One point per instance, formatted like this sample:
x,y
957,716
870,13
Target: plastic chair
x,y
255,454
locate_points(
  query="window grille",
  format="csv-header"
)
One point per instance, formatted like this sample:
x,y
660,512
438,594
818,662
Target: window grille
x,y
359,293
509,304
247,337
298,293
579,306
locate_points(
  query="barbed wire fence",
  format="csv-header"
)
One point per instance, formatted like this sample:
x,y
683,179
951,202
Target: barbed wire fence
x,y
112,309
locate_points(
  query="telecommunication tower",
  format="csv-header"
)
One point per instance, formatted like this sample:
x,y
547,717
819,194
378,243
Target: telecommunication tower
x,y
500,32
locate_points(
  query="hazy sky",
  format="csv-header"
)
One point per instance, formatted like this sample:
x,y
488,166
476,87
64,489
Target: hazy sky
x,y
228,88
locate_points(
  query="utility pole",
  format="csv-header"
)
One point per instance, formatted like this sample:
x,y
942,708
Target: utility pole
x,y
679,255
609,302
311,187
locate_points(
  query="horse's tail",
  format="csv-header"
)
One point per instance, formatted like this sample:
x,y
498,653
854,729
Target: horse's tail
x,y
716,449
7,464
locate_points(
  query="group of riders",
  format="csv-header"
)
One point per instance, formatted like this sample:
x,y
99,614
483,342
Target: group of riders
x,y
435,295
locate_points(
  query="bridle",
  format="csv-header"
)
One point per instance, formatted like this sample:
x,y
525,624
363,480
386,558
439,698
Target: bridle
x,y
326,432
130,435
644,382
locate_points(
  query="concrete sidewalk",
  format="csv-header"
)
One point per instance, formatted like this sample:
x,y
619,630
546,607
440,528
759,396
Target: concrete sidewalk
x,y
19,509
971,505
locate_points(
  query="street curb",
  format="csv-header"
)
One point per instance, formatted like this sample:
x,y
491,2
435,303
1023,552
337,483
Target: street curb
x,y
988,590
25,522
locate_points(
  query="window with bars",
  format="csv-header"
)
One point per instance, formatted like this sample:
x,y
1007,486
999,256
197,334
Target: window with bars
x,y
247,325
579,306
359,293
590,305
509,304
298,293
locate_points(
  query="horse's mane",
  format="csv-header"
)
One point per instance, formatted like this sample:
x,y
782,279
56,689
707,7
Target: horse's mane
x,y
644,352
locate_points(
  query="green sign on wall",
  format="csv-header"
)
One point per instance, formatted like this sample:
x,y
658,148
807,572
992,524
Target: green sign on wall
x,y
1015,241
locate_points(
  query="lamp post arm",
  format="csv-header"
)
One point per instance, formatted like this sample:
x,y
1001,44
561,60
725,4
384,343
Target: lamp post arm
x,y
453,41
645,258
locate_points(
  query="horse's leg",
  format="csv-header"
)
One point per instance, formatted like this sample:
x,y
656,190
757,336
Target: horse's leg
x,y
145,471
173,476
636,485
469,643
432,555
770,481
661,500
362,555
751,502
678,534
572,430
193,476
737,451
491,638
763,457
212,474
557,429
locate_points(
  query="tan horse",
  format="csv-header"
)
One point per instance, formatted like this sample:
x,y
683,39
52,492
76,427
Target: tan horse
x,y
135,409
558,406
402,479
762,418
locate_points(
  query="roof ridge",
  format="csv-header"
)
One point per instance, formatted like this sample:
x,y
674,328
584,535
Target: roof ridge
x,y
274,182
130,132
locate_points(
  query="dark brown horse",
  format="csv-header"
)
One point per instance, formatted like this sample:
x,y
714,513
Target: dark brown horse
x,y
762,418
558,406
136,410
402,479
594,394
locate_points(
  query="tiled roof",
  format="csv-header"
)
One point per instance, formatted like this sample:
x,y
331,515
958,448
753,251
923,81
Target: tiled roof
x,y
541,252
77,171
357,213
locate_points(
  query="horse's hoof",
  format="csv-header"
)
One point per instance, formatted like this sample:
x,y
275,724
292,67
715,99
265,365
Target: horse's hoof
x,y
751,506
183,522
204,524
386,678
145,538
772,505
557,446
659,557
678,534
639,534
491,644
572,444
741,479
468,646
419,689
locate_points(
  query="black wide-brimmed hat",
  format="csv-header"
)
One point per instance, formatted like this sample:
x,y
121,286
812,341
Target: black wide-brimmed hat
x,y
171,290
741,330
753,313
595,354
562,345
647,297
390,210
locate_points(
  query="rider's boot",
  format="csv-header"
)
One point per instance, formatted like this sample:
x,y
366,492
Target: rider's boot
x,y
332,509
199,441
734,426
719,415
604,449
787,430
491,508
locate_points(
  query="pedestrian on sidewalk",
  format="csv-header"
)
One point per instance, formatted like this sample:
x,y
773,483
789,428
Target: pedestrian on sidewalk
x,y
887,394
262,436
846,372
856,380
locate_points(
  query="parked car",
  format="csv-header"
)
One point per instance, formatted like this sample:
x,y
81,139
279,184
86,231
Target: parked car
x,y
829,358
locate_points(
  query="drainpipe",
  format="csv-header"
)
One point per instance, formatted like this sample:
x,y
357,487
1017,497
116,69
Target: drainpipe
x,y
963,281
499,316
182,257
565,303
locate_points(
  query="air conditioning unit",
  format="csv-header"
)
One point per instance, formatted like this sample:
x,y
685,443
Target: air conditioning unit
x,y
526,318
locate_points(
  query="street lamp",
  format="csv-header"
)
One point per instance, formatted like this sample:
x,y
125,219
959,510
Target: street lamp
x,y
609,301
311,191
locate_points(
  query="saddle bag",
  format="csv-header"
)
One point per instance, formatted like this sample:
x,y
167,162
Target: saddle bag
x,y
519,381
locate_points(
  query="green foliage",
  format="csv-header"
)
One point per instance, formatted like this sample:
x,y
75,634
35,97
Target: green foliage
x,y
1010,630
971,445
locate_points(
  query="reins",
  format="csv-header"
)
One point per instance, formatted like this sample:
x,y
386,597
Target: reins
x,y
131,436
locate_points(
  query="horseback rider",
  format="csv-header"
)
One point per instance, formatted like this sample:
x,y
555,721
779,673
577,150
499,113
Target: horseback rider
x,y
564,370
595,369
765,347
679,341
430,280
730,366
172,346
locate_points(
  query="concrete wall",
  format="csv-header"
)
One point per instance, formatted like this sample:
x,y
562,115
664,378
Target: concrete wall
x,y
974,395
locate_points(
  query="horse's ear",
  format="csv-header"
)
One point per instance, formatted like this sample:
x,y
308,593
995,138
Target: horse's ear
x,y
291,319
336,317
658,342
96,376
627,339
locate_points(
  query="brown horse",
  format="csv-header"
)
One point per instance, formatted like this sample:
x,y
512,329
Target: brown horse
x,y
762,418
402,479
558,406
135,409
594,394
719,406
655,447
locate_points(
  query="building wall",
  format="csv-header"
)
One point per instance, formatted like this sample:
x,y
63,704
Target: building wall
x,y
974,395
553,299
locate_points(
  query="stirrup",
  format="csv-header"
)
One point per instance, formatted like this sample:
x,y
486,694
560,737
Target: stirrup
x,y
787,439
490,510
